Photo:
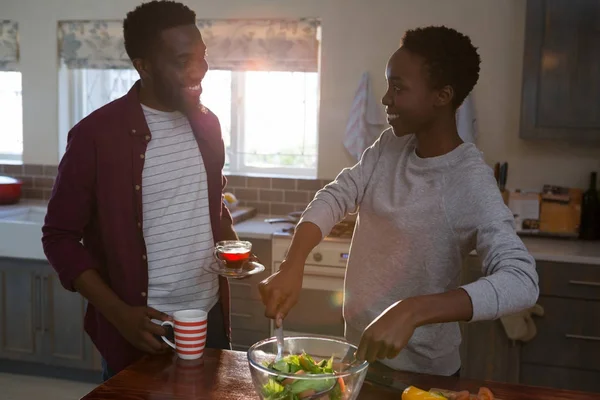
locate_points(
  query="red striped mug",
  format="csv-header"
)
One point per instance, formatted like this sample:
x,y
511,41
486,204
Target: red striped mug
x,y
190,328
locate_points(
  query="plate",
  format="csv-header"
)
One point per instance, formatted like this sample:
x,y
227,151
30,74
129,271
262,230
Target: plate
x,y
250,268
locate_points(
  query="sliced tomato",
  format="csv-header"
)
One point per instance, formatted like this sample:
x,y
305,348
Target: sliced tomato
x,y
306,393
485,394
463,395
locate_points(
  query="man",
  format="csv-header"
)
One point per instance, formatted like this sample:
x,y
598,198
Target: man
x,y
425,200
141,183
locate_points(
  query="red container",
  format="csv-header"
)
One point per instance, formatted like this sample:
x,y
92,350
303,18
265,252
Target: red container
x,y
10,190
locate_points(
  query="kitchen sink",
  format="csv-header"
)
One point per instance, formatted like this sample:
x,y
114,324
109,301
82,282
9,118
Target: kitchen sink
x,y
32,214
21,231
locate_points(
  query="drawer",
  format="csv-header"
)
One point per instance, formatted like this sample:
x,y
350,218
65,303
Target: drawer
x,y
240,347
568,335
244,337
577,281
560,378
249,314
248,288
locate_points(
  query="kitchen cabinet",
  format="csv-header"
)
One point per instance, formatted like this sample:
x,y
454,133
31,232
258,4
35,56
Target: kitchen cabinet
x,y
570,327
486,351
564,353
561,71
65,341
248,322
566,349
40,321
20,310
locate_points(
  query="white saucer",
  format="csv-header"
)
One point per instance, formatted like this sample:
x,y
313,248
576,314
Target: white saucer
x,y
249,268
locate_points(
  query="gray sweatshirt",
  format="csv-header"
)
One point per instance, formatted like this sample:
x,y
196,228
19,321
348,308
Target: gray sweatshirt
x,y
418,218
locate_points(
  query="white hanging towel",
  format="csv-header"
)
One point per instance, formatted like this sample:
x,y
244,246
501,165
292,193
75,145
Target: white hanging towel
x,y
366,121
466,122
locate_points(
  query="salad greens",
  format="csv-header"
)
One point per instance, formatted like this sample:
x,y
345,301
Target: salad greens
x,y
281,388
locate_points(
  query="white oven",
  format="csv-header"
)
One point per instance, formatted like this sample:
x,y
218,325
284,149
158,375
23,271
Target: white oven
x,y
319,308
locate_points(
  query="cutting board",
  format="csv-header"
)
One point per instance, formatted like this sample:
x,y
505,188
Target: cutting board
x,y
450,392
240,214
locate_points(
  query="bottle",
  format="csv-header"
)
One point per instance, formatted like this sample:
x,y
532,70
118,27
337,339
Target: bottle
x,y
589,228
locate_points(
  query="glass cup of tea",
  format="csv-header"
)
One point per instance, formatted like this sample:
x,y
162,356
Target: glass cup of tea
x,y
234,254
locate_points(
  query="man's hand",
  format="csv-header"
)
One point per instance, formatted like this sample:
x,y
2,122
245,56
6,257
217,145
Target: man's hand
x,y
387,335
253,258
135,325
280,291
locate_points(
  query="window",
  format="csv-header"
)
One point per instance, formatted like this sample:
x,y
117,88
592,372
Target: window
x,y
277,123
11,116
11,105
263,85
268,119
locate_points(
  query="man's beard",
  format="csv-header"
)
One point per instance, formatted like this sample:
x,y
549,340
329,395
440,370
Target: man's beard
x,y
169,97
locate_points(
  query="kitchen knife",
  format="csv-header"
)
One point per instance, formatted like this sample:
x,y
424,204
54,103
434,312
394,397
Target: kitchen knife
x,y
502,176
388,382
497,173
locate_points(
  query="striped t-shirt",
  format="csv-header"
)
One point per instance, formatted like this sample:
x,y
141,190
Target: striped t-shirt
x,y
177,228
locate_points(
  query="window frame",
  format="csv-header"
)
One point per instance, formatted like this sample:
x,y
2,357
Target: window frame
x,y
72,105
14,158
237,164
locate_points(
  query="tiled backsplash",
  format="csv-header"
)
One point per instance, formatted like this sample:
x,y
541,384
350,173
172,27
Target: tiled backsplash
x,y
273,196
37,179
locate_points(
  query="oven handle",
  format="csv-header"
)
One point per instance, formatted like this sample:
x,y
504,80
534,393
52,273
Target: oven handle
x,y
318,271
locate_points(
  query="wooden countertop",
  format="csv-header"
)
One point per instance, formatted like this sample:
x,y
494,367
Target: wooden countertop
x,y
225,375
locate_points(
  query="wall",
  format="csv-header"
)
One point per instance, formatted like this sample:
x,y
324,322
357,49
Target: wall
x,y
357,36
270,196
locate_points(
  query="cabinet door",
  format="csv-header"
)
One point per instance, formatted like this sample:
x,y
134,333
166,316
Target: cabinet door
x,y
571,328
561,71
96,359
486,351
560,378
248,323
20,310
65,341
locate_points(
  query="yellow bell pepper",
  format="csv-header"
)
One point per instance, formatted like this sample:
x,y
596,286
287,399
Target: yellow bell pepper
x,y
414,393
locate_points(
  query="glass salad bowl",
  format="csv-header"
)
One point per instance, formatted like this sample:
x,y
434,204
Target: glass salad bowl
x,y
312,368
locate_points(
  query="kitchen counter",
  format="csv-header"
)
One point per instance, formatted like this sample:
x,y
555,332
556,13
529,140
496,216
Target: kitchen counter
x,y
239,214
542,249
251,226
24,203
564,250
21,227
225,375
257,228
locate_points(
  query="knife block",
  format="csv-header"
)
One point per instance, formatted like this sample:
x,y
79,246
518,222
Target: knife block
x,y
505,196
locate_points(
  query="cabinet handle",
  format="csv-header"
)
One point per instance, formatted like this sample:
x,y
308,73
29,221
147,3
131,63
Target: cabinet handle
x,y
585,283
47,301
37,307
582,337
233,314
